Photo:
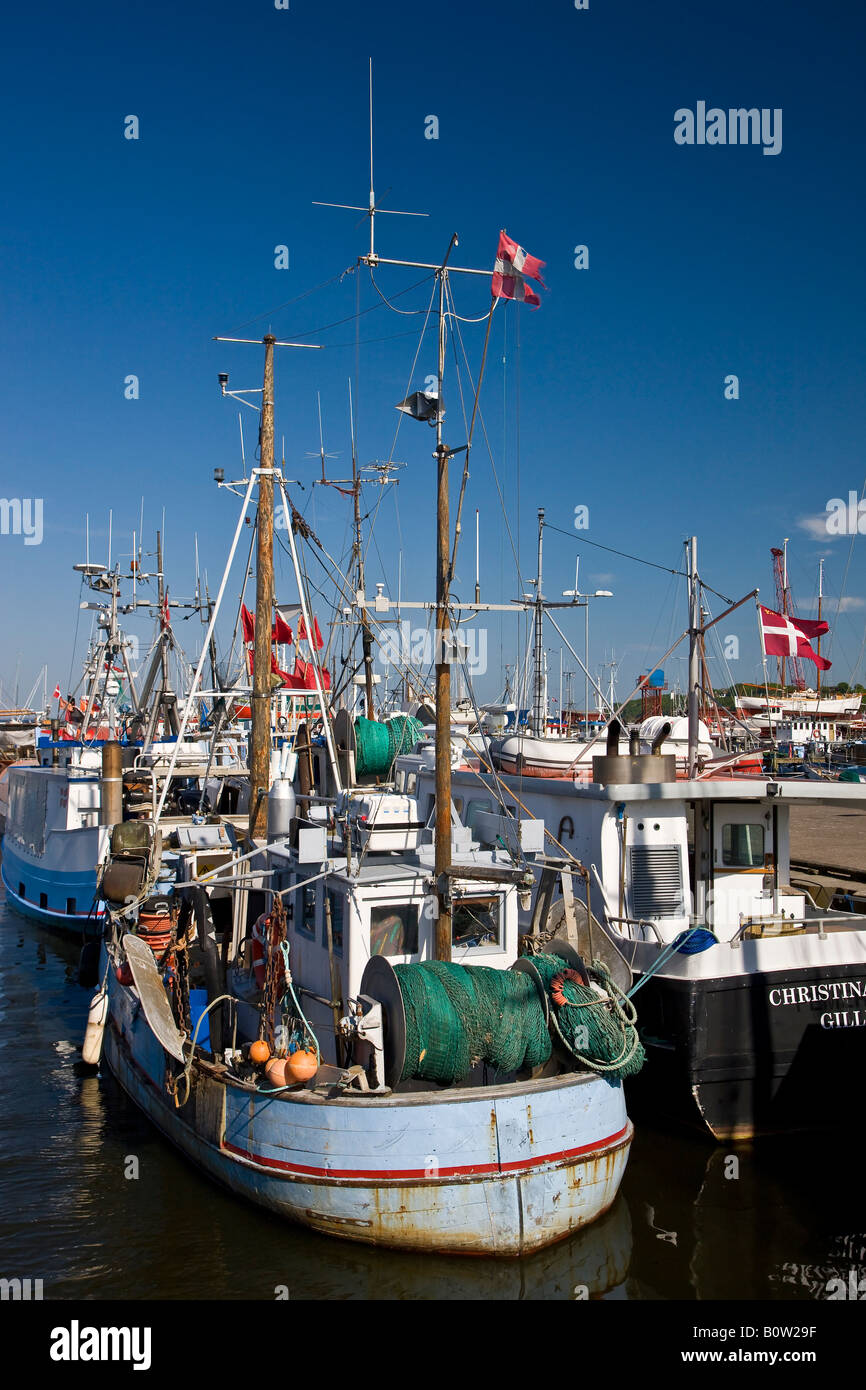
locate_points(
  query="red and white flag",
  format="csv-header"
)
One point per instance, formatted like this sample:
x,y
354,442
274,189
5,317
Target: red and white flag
x,y
56,695
512,265
785,636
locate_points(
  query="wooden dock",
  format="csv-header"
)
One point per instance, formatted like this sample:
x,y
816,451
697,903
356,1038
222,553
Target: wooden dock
x,y
828,849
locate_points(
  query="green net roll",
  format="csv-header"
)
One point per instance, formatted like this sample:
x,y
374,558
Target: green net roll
x,y
459,1015
377,745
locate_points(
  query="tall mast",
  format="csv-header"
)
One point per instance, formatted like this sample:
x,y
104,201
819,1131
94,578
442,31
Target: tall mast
x,y
538,693
260,740
694,653
820,604
784,596
442,858
366,634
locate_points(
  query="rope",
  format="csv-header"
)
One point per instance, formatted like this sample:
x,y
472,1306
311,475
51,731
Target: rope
x,y
596,1024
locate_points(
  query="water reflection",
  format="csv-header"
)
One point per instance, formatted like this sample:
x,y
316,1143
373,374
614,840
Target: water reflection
x,y
98,1205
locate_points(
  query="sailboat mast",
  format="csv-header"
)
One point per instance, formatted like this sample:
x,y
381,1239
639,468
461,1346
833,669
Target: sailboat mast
x,y
538,692
820,605
260,739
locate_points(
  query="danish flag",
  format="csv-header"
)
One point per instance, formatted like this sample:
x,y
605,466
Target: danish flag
x,y
784,636
511,266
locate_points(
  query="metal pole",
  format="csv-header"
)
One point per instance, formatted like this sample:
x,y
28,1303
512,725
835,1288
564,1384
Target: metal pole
x,y
586,664
204,650
694,654
538,712
260,738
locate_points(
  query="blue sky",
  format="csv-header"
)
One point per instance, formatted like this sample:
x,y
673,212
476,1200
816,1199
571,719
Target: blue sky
x,y
125,257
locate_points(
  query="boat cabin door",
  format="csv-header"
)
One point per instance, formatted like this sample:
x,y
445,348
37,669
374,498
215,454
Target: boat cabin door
x,y
745,872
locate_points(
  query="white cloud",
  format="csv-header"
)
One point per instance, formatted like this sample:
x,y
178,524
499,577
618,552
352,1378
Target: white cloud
x,y
849,604
817,527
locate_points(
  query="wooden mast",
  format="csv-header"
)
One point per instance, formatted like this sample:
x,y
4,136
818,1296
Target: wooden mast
x,y
442,859
260,740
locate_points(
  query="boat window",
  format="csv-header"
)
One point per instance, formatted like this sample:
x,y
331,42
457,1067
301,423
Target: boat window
x,y
475,922
410,780
394,930
743,846
305,911
70,907
473,810
336,901
458,805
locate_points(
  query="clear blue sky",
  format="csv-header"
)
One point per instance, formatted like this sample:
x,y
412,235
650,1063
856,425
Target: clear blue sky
x,y
122,257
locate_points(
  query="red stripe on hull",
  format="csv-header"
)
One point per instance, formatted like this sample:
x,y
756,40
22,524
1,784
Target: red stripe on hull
x,y
413,1174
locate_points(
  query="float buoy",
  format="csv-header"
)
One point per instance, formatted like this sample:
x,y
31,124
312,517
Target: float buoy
x,y
557,992
301,1065
259,1051
96,1016
275,1071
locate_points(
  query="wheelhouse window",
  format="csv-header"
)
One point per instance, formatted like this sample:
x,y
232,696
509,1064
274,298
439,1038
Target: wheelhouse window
x,y
305,911
394,930
743,846
473,810
475,922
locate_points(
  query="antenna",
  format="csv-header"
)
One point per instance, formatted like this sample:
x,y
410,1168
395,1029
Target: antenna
x,y
87,538
243,455
109,537
372,209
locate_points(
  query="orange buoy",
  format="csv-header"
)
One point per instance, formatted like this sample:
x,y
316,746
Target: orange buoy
x,y
275,1071
259,1051
123,974
301,1065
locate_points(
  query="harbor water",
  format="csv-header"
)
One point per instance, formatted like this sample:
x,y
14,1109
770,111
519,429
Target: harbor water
x,y
97,1205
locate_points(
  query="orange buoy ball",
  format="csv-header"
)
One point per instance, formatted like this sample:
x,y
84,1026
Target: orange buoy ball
x,y
259,1051
123,974
301,1065
275,1071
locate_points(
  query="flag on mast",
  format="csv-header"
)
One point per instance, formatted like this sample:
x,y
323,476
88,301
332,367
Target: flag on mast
x,y
56,695
782,635
511,267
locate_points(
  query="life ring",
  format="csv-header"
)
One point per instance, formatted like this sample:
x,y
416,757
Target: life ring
x,y
557,992
260,948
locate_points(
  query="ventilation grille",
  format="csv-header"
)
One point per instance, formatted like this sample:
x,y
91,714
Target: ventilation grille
x,y
656,881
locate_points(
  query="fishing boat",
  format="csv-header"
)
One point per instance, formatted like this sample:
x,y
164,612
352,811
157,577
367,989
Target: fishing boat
x,y
381,1063
749,991
96,766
